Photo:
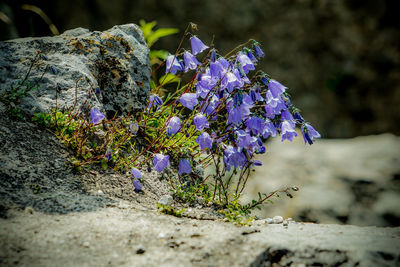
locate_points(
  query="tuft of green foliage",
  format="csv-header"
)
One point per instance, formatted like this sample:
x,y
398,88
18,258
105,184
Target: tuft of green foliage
x,y
170,210
12,96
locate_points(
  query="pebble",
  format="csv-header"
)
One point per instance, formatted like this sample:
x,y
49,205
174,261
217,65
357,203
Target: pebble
x,y
86,244
277,219
140,249
161,235
100,193
166,200
285,223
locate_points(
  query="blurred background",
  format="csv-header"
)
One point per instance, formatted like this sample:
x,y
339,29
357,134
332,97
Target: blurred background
x,y
340,59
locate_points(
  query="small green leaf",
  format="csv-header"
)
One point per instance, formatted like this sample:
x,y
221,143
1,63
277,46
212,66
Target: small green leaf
x,y
161,54
147,27
152,38
169,78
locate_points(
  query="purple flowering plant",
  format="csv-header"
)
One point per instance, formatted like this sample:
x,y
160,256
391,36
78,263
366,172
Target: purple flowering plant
x,y
218,119
226,112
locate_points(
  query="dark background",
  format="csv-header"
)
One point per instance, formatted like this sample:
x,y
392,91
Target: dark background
x,y
340,58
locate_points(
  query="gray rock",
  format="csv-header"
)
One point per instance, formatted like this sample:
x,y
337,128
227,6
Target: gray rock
x,y
166,200
34,240
115,61
353,181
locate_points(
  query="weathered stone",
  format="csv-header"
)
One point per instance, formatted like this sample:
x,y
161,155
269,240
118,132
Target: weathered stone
x,y
35,240
114,61
353,181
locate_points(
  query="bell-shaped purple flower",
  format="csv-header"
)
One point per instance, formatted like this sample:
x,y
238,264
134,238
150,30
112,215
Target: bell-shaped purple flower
x,y
276,88
136,173
200,122
160,162
234,116
243,139
246,62
108,155
255,125
189,100
252,57
309,133
213,56
174,124
173,65
184,166
138,186
191,61
269,129
287,131
197,45
257,163
204,140
259,52
96,116
234,158
154,100
287,116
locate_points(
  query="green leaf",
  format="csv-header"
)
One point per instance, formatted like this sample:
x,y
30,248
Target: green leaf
x,y
161,54
169,78
153,37
147,28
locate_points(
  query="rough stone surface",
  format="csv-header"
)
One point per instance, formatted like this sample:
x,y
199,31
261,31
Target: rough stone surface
x,y
112,236
115,61
353,181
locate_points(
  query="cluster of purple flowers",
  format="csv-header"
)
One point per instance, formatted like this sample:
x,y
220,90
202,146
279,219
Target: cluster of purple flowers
x,y
231,112
252,110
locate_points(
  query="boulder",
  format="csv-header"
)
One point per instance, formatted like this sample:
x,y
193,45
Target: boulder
x,y
109,70
352,181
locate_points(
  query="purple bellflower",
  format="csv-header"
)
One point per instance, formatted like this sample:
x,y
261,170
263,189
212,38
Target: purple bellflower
x,y
251,56
197,45
269,129
174,125
259,52
276,88
189,100
108,155
309,133
246,62
184,166
204,140
191,61
234,158
154,100
96,116
200,122
138,186
173,65
257,163
255,125
160,162
287,131
136,173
